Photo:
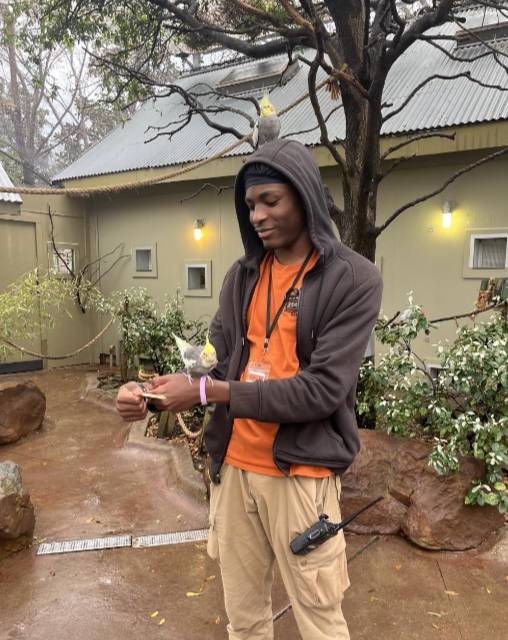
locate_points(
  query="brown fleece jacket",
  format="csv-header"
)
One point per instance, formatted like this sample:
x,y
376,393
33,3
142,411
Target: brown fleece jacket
x,y
340,300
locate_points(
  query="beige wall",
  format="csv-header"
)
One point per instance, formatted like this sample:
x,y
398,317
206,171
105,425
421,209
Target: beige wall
x,y
414,253
158,216
27,232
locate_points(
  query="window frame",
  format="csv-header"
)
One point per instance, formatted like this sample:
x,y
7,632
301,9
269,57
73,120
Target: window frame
x,y
468,271
198,293
145,274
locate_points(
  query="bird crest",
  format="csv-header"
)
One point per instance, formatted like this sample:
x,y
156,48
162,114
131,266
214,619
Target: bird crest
x,y
266,107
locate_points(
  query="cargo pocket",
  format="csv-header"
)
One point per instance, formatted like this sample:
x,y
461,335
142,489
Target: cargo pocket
x,y
212,546
321,576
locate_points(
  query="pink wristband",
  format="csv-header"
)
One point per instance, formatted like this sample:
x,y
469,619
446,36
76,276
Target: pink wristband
x,y
202,390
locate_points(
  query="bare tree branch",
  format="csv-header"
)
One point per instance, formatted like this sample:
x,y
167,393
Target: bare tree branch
x,y
296,133
435,192
218,190
421,136
22,162
316,63
438,76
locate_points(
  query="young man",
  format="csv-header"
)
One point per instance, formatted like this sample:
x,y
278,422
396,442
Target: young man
x,y
294,319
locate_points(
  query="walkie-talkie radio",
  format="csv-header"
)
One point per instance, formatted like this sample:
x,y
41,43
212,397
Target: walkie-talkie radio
x,y
323,529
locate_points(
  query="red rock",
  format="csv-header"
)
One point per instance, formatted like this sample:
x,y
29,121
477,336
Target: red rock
x,y
22,410
429,509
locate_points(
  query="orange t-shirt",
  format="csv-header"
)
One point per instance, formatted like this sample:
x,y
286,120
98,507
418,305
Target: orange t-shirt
x,y
250,447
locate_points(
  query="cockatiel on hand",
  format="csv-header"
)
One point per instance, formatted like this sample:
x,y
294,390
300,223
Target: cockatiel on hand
x,y
268,125
198,361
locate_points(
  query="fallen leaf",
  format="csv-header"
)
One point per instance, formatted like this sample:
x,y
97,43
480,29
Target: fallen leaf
x,y
154,614
162,621
398,567
488,590
217,620
373,598
435,626
452,593
193,594
433,613
209,578
88,520
179,517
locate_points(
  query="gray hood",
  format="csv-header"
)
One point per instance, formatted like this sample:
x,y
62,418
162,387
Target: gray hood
x,y
295,162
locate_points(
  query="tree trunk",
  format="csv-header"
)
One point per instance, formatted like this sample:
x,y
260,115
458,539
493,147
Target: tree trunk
x,y
360,181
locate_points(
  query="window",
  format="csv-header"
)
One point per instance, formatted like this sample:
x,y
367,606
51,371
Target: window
x,y
143,259
486,253
259,77
434,369
197,278
145,262
63,261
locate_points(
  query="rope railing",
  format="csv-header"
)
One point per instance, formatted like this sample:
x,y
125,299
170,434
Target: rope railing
x,y
63,356
137,184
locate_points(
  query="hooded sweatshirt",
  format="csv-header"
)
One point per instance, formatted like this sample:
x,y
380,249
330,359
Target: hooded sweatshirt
x,y
340,298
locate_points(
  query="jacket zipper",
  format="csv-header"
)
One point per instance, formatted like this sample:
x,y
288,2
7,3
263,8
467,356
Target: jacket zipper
x,y
244,343
298,342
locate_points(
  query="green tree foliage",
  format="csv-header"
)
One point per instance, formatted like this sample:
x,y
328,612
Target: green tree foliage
x,y
29,302
52,101
463,412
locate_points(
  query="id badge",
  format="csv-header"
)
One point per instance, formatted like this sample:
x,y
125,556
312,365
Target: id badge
x,y
257,370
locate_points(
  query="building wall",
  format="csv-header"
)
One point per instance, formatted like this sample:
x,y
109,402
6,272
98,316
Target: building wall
x,y
24,243
414,253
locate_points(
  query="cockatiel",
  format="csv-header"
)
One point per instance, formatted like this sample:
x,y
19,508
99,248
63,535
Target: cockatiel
x,y
198,361
268,125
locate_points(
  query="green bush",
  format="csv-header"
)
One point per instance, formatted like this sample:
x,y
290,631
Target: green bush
x,y
29,302
148,331
463,412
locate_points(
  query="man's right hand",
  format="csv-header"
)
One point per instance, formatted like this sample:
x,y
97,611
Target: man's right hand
x,y
130,403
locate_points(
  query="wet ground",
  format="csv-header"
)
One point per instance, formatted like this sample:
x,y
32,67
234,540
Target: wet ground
x,y
86,480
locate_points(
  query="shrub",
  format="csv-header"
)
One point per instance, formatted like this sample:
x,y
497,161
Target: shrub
x,y
28,303
463,412
148,331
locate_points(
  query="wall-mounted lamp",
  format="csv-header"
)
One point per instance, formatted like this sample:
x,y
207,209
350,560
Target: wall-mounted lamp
x,y
198,229
447,214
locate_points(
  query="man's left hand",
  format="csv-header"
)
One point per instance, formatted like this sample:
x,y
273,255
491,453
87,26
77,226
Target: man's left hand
x,y
180,394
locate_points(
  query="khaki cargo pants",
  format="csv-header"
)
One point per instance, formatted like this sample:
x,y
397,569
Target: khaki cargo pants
x,y
253,518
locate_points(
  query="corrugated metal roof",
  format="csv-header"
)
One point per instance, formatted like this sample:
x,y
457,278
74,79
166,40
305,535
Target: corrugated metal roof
x,y
5,181
441,103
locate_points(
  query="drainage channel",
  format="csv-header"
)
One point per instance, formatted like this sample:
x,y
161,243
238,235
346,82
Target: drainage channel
x,y
116,542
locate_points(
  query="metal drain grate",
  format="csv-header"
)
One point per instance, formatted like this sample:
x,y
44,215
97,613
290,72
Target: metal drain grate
x,y
88,544
198,535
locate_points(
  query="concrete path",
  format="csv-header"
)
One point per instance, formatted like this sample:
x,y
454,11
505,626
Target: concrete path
x,y
84,482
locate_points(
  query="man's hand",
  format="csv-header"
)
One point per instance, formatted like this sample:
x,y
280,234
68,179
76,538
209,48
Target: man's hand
x,y
180,393
130,403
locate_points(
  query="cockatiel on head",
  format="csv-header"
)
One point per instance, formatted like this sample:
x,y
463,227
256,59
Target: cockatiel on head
x,y
198,361
268,125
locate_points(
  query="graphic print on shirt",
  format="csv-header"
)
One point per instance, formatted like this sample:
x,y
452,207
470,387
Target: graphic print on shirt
x,y
292,302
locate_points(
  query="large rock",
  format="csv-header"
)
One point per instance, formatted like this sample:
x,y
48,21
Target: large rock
x,y
429,509
22,410
17,517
